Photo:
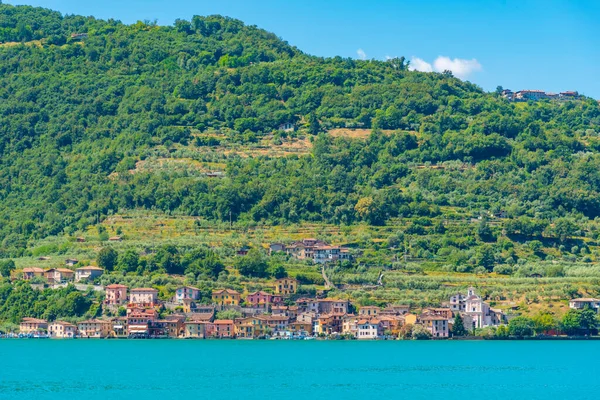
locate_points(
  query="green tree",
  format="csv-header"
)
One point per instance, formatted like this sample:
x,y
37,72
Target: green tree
x,y
314,127
520,327
253,264
107,258
458,328
543,322
485,257
6,267
128,261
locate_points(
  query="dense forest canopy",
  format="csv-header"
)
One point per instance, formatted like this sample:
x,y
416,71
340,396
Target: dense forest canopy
x,y
83,100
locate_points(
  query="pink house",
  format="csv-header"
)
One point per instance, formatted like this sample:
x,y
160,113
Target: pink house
x,y
262,299
116,294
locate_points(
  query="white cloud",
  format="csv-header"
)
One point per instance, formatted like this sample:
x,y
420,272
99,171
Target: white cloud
x,y
361,54
418,64
459,67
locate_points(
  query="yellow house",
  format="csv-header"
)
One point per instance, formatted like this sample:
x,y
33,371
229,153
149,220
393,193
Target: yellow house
x,y
226,297
94,328
286,286
410,319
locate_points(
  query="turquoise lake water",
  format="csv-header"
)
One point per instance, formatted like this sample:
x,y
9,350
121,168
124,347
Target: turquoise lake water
x,y
185,369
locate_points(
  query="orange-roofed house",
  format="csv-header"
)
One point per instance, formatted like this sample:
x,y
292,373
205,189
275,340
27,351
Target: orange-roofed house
x,y
32,272
226,297
88,273
369,311
115,294
94,328
58,275
30,325
437,325
224,328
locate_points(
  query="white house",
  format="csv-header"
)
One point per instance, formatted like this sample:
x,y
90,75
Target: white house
x,y
368,329
90,273
143,296
580,303
287,127
186,292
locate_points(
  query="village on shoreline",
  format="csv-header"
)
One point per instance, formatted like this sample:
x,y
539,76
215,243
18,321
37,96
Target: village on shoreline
x,y
278,315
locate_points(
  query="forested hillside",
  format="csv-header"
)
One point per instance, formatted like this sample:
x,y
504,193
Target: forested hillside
x,y
81,115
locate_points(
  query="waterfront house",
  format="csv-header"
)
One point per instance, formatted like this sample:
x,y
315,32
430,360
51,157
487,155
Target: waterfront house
x,y
224,328
172,326
62,330
31,325
195,329
226,297
250,327
143,297
580,303
115,294
31,272
88,273
437,325
186,293
119,327
94,328
301,328
368,329
369,311
58,275
277,323
286,286
139,321
350,325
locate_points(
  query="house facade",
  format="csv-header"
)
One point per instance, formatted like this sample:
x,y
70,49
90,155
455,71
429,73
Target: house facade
x,y
94,328
224,328
115,295
59,275
286,286
262,299
62,330
226,297
368,329
186,292
88,273
32,325
31,272
143,296
580,303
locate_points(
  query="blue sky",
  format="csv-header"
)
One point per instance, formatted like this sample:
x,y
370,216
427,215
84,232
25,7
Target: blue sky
x,y
552,45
